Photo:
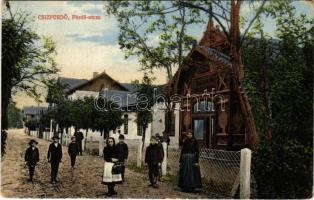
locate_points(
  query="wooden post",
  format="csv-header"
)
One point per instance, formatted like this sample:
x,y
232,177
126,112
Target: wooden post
x,y
245,173
164,162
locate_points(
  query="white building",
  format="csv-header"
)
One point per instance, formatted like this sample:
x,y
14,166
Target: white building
x,y
125,96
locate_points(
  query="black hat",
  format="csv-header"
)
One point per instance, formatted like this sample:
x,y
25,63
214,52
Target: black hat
x,y
121,136
32,141
55,137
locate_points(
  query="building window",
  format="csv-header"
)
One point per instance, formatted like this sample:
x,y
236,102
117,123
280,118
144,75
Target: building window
x,y
172,125
203,107
126,121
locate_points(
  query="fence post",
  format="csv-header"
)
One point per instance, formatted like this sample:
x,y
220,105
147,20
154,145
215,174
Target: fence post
x,y
139,154
164,162
245,173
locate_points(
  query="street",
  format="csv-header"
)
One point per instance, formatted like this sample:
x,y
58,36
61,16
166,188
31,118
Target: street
x,y
83,182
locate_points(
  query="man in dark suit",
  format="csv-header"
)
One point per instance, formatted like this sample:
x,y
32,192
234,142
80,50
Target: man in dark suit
x,y
79,137
54,156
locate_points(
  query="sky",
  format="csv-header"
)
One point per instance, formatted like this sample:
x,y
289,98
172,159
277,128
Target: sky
x,y
87,46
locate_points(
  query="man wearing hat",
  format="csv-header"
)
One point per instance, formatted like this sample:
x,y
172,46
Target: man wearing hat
x,y
32,157
79,137
54,156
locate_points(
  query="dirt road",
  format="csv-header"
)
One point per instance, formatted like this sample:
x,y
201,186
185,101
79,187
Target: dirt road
x,y
83,182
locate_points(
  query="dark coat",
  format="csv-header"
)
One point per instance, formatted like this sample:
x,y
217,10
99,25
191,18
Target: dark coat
x,y
190,146
79,136
32,156
153,154
73,149
110,152
161,149
123,151
54,153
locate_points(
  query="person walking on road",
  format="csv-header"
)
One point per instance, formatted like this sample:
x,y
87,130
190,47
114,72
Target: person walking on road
x,y
73,151
153,158
79,137
54,156
32,158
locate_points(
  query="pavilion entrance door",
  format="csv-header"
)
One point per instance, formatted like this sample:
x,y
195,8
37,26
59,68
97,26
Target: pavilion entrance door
x,y
203,130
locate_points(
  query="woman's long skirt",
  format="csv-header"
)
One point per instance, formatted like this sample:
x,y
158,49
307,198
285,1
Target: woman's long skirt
x,y
108,177
189,174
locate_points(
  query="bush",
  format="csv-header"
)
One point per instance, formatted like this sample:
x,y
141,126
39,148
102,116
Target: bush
x,y
283,169
31,125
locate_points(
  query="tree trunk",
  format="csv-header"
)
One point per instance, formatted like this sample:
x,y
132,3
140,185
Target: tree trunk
x,y
238,73
85,139
143,135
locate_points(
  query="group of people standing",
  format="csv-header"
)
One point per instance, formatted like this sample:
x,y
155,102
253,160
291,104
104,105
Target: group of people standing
x,y
115,156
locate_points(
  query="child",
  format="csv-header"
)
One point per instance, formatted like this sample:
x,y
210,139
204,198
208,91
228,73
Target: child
x,y
123,153
32,157
73,151
153,158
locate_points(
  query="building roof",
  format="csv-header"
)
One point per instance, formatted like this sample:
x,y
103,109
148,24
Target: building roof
x,y
122,98
130,86
70,83
33,110
78,87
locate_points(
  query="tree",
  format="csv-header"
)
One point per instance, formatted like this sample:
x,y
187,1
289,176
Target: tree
x,y
31,124
27,62
14,116
145,101
140,22
106,119
279,76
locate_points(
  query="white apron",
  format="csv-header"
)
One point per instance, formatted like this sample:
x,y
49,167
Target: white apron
x,y
108,177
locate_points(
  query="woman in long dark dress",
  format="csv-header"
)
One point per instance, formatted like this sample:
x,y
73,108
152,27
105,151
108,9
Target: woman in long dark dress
x,y
190,176
111,156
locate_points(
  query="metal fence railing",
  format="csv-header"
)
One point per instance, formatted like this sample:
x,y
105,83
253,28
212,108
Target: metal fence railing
x,y
219,169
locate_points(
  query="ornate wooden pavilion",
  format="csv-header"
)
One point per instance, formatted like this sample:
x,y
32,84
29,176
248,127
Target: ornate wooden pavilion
x,y
209,104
